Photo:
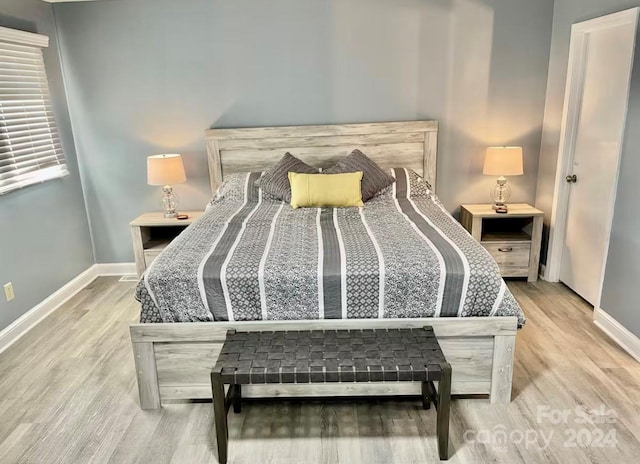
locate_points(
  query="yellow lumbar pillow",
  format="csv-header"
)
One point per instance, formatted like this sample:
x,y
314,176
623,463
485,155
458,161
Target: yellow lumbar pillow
x,y
331,190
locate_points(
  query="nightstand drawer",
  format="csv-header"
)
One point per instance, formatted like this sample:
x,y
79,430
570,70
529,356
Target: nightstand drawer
x,y
512,257
150,256
153,248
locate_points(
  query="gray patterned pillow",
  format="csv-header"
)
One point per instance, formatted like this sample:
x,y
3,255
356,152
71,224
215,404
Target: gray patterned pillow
x,y
234,187
374,179
418,187
275,181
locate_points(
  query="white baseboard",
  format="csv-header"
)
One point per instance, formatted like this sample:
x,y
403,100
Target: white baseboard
x,y
28,320
22,325
543,272
618,333
115,269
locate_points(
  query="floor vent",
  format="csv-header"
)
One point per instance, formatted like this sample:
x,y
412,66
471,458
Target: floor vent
x,y
129,278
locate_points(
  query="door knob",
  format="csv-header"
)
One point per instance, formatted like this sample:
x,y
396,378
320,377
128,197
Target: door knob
x,y
572,179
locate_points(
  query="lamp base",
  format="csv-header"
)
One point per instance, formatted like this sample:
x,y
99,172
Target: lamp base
x,y
501,209
500,194
169,202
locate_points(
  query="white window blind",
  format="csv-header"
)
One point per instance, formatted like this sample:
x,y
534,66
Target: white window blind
x,y
30,148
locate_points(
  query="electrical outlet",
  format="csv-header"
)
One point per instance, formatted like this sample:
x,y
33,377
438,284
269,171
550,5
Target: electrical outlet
x,y
8,291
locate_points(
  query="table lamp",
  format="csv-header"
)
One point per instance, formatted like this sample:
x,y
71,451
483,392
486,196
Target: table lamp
x,y
502,161
166,170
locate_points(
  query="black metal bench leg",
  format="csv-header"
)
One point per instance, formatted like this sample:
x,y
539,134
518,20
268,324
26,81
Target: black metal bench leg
x,y
237,399
443,407
426,397
220,416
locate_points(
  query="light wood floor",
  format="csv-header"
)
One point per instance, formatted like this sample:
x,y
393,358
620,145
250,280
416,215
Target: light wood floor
x,y
68,394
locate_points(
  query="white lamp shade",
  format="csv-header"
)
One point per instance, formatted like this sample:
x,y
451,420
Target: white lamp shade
x,y
165,170
503,161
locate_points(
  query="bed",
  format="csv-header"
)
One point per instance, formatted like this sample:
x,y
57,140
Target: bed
x,y
252,263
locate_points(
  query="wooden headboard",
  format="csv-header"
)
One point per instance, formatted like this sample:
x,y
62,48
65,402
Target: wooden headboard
x,y
410,144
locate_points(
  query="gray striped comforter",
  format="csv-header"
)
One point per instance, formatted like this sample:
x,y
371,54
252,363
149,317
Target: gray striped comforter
x,y
250,257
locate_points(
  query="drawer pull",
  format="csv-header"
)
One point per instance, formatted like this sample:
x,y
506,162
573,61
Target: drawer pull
x,y
505,250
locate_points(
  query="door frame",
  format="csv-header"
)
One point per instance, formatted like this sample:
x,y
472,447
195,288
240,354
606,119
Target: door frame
x,y
572,105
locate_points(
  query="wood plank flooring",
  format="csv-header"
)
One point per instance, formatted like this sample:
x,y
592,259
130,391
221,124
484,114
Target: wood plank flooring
x,y
68,395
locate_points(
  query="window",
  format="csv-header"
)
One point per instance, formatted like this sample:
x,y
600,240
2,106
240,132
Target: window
x,y
30,148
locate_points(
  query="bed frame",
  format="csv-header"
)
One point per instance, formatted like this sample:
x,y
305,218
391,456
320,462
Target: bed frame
x,y
173,361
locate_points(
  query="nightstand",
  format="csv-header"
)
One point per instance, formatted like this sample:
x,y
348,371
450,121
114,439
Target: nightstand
x,y
513,238
152,232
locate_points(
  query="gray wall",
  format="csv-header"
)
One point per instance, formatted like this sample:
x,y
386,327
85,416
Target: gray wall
x,y
148,76
622,273
44,235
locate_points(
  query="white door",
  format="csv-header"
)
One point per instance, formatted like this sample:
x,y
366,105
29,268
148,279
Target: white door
x,y
601,107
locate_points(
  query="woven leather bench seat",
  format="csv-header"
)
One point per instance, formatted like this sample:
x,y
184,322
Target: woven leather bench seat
x,y
317,356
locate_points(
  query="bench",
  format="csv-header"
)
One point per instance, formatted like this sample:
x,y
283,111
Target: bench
x,y
322,356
